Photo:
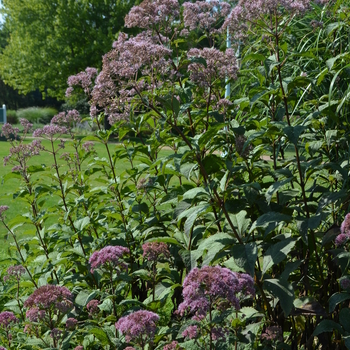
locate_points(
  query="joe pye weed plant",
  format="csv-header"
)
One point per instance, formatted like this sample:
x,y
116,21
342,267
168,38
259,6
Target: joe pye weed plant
x,y
237,239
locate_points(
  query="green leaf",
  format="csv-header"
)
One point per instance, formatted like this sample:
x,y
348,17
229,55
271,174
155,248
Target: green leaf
x,y
336,299
211,246
275,187
245,256
344,318
195,192
240,221
327,326
101,335
269,221
277,253
293,133
81,223
107,305
282,290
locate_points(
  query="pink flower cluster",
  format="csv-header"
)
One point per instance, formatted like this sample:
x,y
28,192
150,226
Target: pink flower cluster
x,y
250,12
174,345
7,318
213,286
50,298
272,333
50,131
20,154
152,13
92,307
70,118
117,84
205,15
9,131
109,255
344,235
3,208
219,65
83,79
14,271
153,250
139,326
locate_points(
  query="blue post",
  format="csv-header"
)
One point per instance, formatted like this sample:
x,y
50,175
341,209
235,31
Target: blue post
x,y
228,85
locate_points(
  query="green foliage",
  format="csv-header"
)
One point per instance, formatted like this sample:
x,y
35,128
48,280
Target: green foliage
x,y
56,36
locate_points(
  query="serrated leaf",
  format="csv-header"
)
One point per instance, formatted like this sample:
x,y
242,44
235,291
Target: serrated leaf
x,y
277,253
327,326
245,256
336,299
283,291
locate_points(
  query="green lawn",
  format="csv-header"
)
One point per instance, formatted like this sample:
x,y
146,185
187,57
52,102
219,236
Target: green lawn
x,y
9,187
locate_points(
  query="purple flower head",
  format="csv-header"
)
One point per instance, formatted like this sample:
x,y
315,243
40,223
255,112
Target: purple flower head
x,y
219,65
205,14
84,79
79,347
66,119
3,208
92,307
345,226
88,146
71,323
34,314
190,332
14,271
153,250
2,348
21,153
341,239
345,283
50,298
69,92
114,90
129,348
110,255
6,319
219,284
247,11
9,131
49,131
56,333
174,345
272,333
26,125
140,325
153,13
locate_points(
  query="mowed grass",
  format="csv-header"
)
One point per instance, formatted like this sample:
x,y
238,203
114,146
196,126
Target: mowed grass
x,y
9,187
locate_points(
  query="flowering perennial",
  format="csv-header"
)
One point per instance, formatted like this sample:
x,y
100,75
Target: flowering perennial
x,y
152,13
6,319
14,271
213,286
219,65
50,298
205,15
153,250
344,235
140,326
110,255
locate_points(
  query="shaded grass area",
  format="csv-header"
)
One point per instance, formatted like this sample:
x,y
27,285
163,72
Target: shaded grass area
x,y
9,187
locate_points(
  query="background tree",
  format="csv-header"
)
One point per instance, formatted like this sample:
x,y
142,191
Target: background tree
x,y
49,41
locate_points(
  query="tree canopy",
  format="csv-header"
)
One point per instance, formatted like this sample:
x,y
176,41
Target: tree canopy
x,y
51,40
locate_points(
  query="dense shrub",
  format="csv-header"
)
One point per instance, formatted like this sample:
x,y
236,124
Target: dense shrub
x,y
37,114
11,116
